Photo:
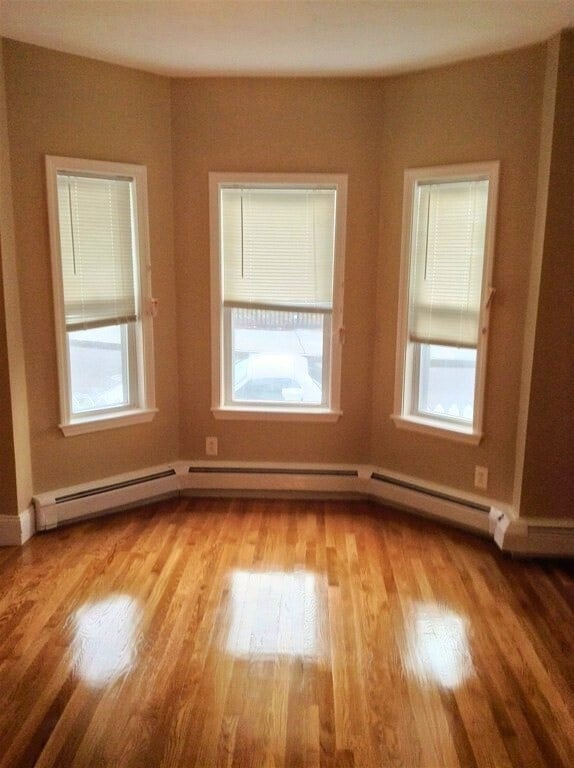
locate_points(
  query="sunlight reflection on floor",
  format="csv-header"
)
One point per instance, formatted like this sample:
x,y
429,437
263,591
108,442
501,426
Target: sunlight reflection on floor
x,y
104,643
273,613
437,648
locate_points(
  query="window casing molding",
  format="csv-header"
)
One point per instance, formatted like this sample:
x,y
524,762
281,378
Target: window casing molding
x,y
406,414
137,335
222,407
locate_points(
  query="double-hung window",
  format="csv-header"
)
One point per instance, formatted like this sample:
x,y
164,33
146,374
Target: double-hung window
x,y
277,291
446,291
100,270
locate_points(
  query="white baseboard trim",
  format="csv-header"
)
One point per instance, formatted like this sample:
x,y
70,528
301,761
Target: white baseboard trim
x,y
534,536
486,517
15,530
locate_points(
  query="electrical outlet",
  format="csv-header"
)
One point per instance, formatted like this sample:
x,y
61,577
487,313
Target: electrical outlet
x,y
481,477
211,446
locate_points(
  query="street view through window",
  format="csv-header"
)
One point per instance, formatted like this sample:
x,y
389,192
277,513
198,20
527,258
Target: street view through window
x,y
98,368
277,356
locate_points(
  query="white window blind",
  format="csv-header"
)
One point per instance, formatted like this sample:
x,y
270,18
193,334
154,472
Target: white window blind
x,y
447,262
97,251
278,248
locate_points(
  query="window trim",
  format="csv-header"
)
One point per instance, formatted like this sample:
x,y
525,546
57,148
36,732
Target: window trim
x,y
403,416
219,408
144,410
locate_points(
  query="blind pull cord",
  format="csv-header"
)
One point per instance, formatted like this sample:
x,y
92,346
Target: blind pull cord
x,y
491,292
427,236
242,246
72,227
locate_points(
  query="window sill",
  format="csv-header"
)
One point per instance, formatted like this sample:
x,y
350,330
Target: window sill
x,y
276,414
107,421
457,433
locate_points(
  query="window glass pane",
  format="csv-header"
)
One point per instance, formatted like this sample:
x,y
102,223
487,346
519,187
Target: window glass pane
x,y
278,357
99,368
446,382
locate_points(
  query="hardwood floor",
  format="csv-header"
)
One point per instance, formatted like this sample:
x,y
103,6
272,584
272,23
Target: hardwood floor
x,y
281,633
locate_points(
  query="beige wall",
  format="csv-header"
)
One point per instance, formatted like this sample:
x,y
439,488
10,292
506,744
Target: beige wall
x,y
15,465
8,490
548,480
275,125
487,109
369,129
66,105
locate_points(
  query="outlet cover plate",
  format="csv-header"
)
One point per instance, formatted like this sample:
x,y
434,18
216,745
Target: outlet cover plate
x,y
211,447
481,477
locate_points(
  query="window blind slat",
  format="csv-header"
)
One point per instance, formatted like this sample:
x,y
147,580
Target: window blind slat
x,y
448,260
278,247
316,309
97,251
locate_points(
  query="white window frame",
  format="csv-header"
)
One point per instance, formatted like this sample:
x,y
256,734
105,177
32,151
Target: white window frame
x,y
142,409
332,411
406,379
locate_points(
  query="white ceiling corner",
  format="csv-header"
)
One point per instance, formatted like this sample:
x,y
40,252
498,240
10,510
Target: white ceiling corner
x,y
283,37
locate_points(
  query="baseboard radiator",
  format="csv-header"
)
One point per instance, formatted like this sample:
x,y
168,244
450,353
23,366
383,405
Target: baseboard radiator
x,y
267,480
524,537
124,491
200,478
91,500
428,501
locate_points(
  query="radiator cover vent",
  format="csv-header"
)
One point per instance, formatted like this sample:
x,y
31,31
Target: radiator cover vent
x,y
429,492
114,486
